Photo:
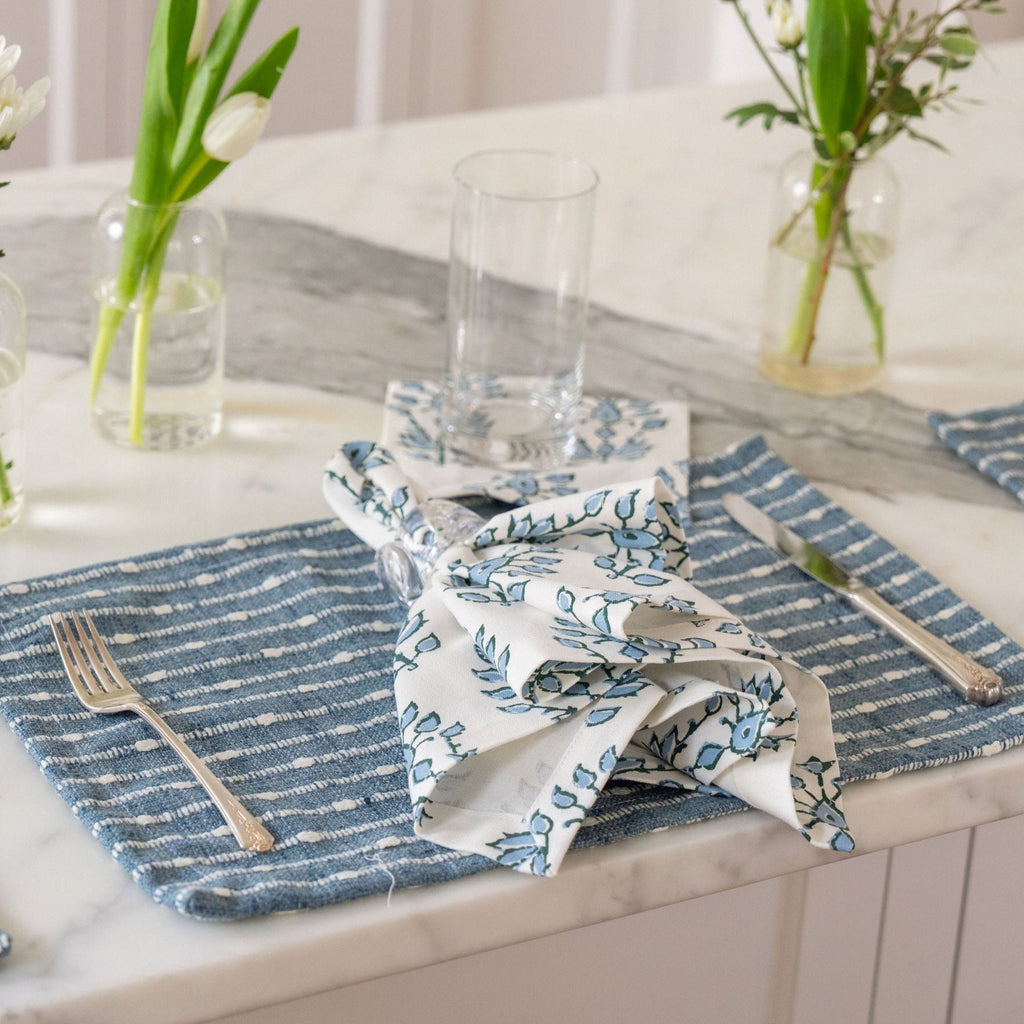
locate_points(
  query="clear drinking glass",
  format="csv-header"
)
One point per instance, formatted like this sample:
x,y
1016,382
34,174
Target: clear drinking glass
x,y
184,354
517,306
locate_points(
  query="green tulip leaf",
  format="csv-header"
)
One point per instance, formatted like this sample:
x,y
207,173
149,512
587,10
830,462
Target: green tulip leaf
x,y
838,33
210,76
261,77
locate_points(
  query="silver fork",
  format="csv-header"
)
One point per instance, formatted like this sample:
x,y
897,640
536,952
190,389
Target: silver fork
x,y
101,687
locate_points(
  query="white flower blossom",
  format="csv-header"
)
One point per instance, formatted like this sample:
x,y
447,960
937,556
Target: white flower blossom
x,y
9,56
233,128
18,106
789,33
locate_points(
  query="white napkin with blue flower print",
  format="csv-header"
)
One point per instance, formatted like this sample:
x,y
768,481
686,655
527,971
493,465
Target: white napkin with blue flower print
x,y
560,647
616,439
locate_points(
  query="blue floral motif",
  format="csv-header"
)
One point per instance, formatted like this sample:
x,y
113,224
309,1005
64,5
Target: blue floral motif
x,y
746,731
496,662
526,850
622,430
429,749
600,716
407,653
821,817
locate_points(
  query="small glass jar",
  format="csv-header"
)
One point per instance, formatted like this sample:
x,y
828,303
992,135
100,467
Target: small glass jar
x,y
828,273
12,402
159,323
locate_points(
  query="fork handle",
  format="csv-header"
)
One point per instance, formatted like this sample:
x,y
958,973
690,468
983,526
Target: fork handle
x,y
251,835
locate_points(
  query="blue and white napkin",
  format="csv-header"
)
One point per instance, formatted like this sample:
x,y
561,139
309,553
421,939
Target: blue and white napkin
x,y
5,943
992,440
562,647
616,439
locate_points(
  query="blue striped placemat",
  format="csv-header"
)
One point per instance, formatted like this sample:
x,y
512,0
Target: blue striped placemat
x,y
271,653
991,440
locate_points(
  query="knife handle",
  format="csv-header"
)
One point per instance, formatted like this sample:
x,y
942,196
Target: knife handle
x,y
972,681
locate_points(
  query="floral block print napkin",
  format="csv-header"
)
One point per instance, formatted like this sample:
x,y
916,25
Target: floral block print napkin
x,y
616,439
562,647
991,440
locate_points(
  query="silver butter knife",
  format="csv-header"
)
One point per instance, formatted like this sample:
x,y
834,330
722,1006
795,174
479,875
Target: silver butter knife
x,y
972,681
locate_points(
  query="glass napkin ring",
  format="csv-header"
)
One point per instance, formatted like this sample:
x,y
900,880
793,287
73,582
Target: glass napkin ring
x,y
403,565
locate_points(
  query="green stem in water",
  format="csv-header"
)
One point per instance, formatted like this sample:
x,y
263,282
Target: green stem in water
x,y
829,216
111,315
803,329
874,309
143,327
6,487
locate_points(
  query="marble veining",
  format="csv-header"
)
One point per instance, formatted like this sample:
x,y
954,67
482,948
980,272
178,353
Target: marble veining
x,y
312,307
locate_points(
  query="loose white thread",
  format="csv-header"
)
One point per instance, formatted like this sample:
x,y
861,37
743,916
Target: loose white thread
x,y
375,858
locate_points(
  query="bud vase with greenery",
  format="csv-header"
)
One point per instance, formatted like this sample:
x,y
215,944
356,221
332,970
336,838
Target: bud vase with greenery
x,y
151,302
855,75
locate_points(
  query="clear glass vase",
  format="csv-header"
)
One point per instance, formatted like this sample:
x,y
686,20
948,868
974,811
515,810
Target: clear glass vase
x,y
12,402
159,323
827,275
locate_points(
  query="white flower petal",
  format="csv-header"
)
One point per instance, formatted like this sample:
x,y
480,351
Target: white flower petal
x,y
9,56
18,107
233,128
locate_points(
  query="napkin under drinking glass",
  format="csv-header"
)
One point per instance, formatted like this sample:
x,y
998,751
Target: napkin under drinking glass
x,y
616,439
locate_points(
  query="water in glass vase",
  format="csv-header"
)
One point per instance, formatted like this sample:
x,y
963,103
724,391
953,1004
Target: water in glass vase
x,y
12,441
845,356
184,366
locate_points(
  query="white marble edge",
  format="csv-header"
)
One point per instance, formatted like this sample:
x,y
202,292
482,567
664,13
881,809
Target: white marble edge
x,y
394,190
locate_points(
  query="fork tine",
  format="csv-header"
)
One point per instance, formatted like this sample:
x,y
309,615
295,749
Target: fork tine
x,y
71,656
103,665
86,659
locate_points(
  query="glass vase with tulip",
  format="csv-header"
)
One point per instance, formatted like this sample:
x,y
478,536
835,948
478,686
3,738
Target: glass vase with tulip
x,y
158,275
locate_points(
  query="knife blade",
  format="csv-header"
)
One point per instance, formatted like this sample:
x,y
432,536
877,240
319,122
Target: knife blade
x,y
972,681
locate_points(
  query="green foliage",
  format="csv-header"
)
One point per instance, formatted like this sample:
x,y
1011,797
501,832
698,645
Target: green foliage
x,y
837,67
768,112
853,91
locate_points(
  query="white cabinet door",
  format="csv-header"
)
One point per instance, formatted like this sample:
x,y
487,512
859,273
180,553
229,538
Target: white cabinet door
x,y
990,977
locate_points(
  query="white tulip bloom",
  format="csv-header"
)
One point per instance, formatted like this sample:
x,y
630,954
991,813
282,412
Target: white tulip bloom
x,y
198,38
9,56
234,127
18,106
789,33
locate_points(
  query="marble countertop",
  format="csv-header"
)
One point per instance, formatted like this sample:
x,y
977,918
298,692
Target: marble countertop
x,y
337,286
